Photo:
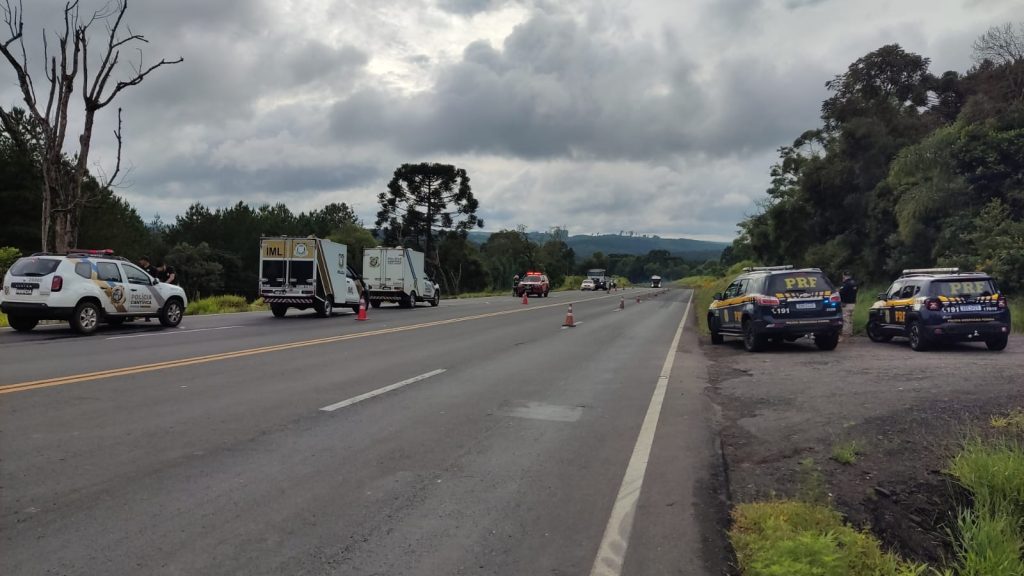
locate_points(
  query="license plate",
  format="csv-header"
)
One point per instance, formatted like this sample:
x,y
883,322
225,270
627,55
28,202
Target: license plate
x,y
23,291
806,306
970,308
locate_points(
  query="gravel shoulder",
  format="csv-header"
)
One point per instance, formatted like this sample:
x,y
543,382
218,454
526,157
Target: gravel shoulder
x,y
906,411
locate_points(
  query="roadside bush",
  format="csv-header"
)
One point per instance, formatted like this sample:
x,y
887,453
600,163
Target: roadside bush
x,y
988,545
217,305
787,538
8,254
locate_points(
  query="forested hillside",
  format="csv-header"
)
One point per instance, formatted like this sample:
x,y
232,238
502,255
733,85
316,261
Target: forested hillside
x,y
909,169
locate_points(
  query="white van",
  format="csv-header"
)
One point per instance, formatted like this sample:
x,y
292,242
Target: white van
x,y
397,275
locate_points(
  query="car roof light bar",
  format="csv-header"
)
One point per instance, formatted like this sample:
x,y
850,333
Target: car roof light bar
x,y
767,268
911,271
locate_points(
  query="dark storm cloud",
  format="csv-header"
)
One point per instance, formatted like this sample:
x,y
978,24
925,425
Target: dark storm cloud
x,y
558,90
470,7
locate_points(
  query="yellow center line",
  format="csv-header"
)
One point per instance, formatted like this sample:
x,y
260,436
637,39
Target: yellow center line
x,y
130,370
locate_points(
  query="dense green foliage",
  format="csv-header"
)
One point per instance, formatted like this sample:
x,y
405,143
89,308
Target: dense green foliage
x,y
908,170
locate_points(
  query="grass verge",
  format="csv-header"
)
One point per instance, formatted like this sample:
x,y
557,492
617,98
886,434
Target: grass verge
x,y
802,539
3,320
223,305
989,537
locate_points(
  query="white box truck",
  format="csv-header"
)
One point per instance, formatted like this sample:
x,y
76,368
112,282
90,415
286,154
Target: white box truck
x,y
397,275
307,273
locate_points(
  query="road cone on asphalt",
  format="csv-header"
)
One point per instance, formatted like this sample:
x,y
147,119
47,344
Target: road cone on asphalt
x,y
569,321
622,303
526,300
362,309
637,298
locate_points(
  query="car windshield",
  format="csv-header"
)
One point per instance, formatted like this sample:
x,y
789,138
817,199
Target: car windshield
x,y
34,267
971,288
798,282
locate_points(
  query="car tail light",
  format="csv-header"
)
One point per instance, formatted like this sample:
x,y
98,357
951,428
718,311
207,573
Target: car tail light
x,y
933,304
56,284
834,298
767,301
1002,304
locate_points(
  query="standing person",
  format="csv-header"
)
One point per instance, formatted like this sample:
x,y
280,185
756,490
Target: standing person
x,y
147,265
848,294
151,270
167,274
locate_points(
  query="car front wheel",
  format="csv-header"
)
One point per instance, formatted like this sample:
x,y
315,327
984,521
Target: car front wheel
x,y
171,313
875,332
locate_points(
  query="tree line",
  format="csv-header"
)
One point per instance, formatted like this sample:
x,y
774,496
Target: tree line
x,y
907,170
216,250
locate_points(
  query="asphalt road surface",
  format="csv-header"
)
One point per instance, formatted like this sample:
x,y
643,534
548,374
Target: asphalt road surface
x,y
479,437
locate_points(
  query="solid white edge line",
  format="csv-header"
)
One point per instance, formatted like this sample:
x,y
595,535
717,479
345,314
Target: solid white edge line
x,y
611,554
379,391
170,332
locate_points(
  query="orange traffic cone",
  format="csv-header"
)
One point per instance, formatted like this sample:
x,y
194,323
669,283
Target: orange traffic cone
x,y
362,310
526,300
569,321
622,303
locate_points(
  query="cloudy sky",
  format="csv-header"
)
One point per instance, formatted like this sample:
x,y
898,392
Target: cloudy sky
x,y
661,117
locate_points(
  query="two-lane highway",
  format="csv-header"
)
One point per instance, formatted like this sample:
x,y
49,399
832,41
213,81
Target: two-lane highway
x,y
479,437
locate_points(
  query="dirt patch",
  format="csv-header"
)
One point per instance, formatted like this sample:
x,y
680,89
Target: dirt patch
x,y
905,411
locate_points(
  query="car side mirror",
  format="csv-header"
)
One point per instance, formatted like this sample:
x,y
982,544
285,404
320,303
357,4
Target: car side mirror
x,y
156,281
719,296
883,296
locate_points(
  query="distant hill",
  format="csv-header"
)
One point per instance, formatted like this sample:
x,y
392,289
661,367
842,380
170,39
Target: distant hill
x,y
584,246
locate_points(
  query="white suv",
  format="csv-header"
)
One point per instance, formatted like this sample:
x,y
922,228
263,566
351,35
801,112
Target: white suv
x,y
86,288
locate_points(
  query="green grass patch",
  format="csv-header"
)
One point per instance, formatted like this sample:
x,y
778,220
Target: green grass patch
x,y
222,305
3,320
846,452
704,289
989,537
787,538
993,471
988,544
1012,420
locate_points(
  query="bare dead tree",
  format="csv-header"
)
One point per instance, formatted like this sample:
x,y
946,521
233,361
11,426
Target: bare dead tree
x,y
63,196
1001,44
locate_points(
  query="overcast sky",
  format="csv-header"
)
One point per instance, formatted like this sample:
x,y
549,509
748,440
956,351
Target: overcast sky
x,y
661,117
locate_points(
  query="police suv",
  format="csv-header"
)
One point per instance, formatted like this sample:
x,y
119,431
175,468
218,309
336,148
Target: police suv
x,y
777,303
86,288
931,305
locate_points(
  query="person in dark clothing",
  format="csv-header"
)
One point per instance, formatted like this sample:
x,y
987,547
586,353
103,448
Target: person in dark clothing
x,y
146,265
166,274
848,294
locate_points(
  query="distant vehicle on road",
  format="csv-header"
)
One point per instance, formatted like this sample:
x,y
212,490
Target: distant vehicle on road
x,y
534,284
86,288
307,273
933,305
587,284
397,275
655,281
777,303
600,278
